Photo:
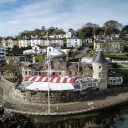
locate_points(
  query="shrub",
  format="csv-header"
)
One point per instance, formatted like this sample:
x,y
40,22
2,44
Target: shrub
x,y
78,48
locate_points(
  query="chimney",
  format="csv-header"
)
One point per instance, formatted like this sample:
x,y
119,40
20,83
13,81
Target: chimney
x,y
33,59
79,65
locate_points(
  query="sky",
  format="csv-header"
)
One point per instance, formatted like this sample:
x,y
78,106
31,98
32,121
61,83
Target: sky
x,y
19,15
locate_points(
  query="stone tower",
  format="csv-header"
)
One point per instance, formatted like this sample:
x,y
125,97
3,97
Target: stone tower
x,y
100,69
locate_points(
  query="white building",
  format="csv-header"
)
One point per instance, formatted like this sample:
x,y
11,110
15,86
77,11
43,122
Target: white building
x,y
58,36
50,41
35,50
2,53
24,43
74,42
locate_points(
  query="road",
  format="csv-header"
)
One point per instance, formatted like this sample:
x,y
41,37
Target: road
x,y
15,103
81,53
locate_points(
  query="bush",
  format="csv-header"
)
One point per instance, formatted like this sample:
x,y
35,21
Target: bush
x,y
78,48
115,65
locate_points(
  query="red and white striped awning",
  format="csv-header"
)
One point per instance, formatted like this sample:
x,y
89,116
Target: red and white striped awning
x,y
55,79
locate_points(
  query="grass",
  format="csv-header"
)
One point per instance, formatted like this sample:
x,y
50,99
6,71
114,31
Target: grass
x,y
10,79
38,58
124,72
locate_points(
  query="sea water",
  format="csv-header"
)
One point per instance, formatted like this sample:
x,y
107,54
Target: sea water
x,y
123,123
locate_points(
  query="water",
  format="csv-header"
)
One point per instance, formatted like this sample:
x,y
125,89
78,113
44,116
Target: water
x,y
123,123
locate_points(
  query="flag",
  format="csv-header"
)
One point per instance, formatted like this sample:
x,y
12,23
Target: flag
x,y
46,35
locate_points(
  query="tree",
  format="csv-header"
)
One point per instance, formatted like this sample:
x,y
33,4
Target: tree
x,y
112,27
98,31
37,31
58,32
85,32
92,25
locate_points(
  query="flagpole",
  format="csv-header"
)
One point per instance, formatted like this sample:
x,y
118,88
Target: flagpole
x,y
49,60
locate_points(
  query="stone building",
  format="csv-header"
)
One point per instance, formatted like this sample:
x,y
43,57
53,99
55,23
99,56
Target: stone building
x,y
109,43
98,69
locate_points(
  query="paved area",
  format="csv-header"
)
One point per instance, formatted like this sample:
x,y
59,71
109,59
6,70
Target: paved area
x,y
14,103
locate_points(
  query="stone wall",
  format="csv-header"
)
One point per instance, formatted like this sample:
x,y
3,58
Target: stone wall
x,y
123,63
41,97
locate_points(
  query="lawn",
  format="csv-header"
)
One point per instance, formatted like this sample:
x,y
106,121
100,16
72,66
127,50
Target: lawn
x,y
124,72
38,58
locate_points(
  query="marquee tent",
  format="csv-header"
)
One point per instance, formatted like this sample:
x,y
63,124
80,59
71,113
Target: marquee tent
x,y
55,83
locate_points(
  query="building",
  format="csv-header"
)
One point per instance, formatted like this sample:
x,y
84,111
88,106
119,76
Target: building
x,y
37,42
56,41
2,53
58,36
37,50
74,42
97,69
100,70
109,43
23,43
9,42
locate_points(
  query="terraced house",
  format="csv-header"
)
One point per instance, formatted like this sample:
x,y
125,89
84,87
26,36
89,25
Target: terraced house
x,y
109,43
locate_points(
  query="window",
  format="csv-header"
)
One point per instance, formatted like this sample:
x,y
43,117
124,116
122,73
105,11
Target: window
x,y
87,74
70,73
53,67
76,73
59,67
41,67
82,74
85,68
25,72
99,74
49,49
100,67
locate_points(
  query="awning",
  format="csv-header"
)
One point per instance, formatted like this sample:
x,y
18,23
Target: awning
x,y
52,86
56,79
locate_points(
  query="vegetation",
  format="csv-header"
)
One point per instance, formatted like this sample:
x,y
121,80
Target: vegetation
x,y
58,31
11,79
112,26
124,72
1,94
78,48
120,56
2,63
38,58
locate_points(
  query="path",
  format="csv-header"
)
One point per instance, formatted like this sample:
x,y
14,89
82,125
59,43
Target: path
x,y
15,104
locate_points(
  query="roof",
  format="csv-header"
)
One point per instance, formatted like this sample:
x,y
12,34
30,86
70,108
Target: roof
x,y
98,41
100,58
55,79
115,75
73,38
52,86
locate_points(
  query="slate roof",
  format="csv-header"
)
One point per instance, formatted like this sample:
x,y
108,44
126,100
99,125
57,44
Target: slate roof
x,y
100,58
73,38
99,41
115,75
